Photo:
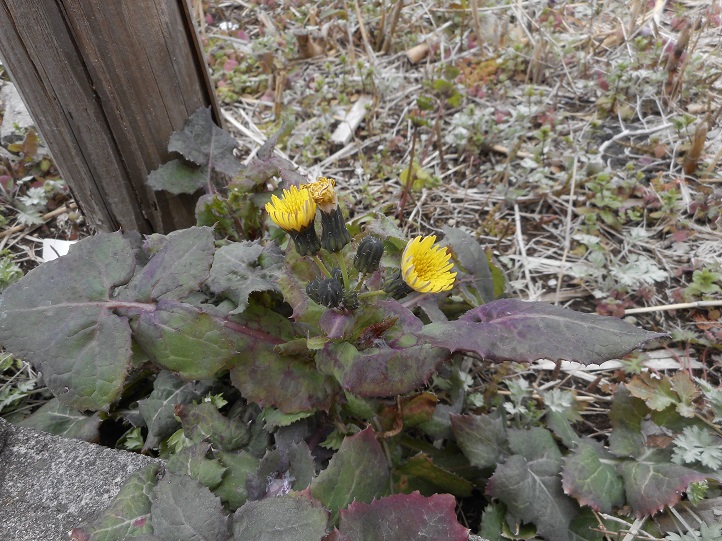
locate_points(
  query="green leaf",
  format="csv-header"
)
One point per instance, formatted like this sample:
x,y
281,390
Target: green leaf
x,y
66,327
476,283
561,411
651,483
492,522
58,419
177,177
128,515
515,330
185,510
626,416
403,516
204,421
293,517
482,438
158,410
203,143
528,483
275,418
181,338
422,467
239,466
213,210
193,461
358,471
236,273
177,269
590,476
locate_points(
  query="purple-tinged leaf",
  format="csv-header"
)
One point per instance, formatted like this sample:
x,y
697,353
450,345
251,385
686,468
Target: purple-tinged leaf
x,y
65,326
177,177
398,362
293,517
336,324
158,410
203,143
280,471
236,273
403,516
204,422
382,371
128,515
239,466
58,419
426,476
291,384
185,510
626,416
530,485
475,281
660,393
514,330
194,462
358,471
652,482
177,269
482,438
589,476
181,338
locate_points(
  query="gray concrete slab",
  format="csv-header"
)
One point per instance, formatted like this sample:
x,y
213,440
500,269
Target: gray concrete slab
x,y
50,484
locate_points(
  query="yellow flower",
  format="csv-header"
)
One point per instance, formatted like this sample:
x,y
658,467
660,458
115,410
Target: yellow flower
x,y
294,211
323,193
425,266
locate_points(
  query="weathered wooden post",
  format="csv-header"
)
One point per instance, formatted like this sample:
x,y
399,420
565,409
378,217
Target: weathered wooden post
x,y
107,82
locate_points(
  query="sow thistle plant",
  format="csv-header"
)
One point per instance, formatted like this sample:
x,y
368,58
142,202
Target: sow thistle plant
x,y
323,341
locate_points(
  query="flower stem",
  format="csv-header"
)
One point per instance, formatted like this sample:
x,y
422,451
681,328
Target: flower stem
x,y
361,281
371,294
321,266
344,270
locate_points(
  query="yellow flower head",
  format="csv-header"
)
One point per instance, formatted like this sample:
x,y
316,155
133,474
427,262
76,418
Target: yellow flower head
x,y
323,193
425,266
294,211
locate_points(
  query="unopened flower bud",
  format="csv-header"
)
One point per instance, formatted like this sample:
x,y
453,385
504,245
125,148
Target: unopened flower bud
x,y
368,255
330,293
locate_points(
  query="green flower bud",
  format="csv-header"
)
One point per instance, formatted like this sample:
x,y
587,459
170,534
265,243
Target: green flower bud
x,y
368,255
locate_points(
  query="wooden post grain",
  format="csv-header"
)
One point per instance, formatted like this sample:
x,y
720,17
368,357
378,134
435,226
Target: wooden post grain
x,y
107,82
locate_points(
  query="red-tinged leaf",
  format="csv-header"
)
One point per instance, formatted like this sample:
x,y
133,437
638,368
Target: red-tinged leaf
x,y
482,438
398,362
514,330
652,482
403,516
293,517
336,324
626,416
531,487
357,472
589,476
656,392
377,372
291,384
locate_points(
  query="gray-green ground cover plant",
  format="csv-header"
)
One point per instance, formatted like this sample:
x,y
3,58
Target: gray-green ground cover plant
x,y
292,375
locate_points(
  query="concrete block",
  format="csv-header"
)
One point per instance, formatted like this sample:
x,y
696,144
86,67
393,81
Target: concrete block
x,y
50,484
